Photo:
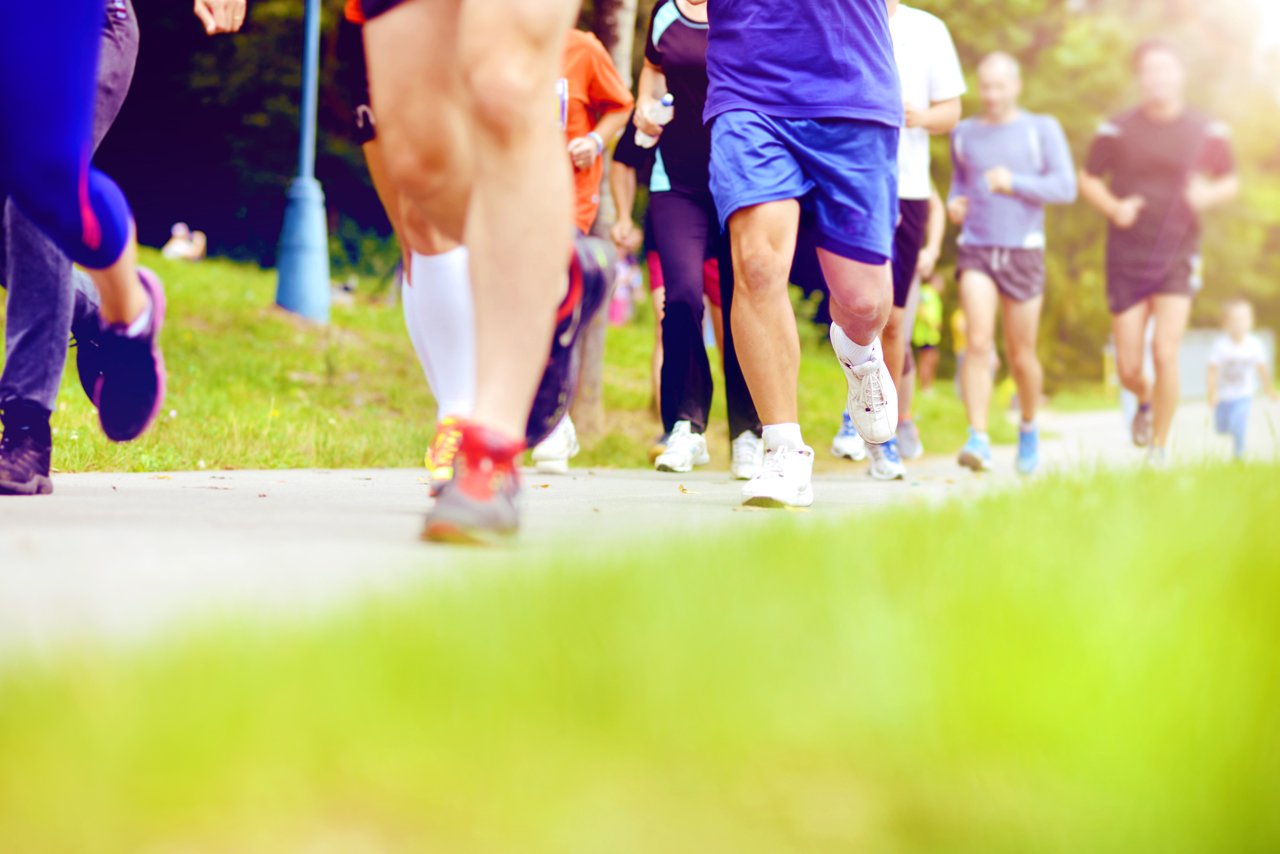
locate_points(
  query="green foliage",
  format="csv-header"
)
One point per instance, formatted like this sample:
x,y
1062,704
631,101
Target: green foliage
x,y
1077,666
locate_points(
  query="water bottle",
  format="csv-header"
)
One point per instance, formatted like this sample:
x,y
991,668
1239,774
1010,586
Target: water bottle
x,y
660,113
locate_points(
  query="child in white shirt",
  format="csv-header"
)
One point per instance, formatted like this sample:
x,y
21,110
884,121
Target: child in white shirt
x,y
1237,366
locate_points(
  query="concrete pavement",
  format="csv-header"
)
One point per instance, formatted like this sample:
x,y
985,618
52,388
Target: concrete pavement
x,y
121,555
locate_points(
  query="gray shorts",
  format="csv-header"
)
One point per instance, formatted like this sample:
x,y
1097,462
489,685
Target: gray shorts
x,y
1018,273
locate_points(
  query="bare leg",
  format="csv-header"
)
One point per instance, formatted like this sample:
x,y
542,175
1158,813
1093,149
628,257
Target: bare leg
x,y
927,364
978,298
717,326
459,95
764,326
123,298
1172,313
861,297
1021,324
429,236
1130,331
894,343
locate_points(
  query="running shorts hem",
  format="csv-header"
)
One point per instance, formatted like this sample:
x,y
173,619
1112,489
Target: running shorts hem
x,y
843,172
1124,290
374,8
1019,274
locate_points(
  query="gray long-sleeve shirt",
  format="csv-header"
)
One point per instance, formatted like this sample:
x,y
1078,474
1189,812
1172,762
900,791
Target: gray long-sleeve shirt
x,y
1032,147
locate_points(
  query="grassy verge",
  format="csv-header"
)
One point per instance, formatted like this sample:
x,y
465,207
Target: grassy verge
x,y
253,387
1072,667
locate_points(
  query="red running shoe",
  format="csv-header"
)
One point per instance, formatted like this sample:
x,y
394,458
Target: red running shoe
x,y
479,506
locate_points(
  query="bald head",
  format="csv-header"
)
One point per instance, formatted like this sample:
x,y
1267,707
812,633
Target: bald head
x,y
1000,62
999,85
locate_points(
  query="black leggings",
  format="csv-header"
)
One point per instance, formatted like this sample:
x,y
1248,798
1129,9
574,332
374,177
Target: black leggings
x,y
688,233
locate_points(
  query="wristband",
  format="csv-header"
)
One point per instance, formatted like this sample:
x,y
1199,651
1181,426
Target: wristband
x,y
599,142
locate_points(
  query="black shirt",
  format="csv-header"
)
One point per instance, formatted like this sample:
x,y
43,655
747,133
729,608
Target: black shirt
x,y
1156,160
678,46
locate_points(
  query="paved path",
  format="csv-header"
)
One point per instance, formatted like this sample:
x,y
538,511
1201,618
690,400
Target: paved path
x,y
122,554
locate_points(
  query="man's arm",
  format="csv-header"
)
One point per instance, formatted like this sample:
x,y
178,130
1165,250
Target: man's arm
x,y
1056,185
622,186
220,16
1205,192
958,196
1122,212
941,117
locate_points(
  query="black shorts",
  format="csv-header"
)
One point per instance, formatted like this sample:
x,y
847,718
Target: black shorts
x,y
908,238
1018,273
1125,290
353,81
374,8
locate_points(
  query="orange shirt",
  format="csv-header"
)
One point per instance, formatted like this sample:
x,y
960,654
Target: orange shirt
x,y
353,12
595,88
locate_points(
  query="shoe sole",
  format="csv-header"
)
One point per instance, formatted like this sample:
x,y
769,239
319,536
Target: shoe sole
x,y
551,466
841,456
453,533
673,469
972,461
736,476
885,478
40,485
804,499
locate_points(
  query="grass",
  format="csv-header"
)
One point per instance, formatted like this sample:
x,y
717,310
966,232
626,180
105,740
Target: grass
x,y
251,386
1073,667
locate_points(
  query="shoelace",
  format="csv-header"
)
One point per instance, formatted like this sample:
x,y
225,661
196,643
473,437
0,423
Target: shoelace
x,y
443,453
872,395
775,464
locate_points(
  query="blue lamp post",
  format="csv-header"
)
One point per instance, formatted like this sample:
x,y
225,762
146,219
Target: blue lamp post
x,y
302,266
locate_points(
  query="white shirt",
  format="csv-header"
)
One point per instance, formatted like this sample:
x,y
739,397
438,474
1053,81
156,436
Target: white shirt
x,y
1237,366
929,71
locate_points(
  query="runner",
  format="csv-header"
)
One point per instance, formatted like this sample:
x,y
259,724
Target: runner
x,y
804,107
435,285
462,93
596,109
1007,165
54,115
1167,163
932,83
689,235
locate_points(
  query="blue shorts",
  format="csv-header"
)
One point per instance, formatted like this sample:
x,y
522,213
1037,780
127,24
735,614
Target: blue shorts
x,y
843,171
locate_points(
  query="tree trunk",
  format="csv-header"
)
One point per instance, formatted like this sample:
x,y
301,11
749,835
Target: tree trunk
x,y
614,25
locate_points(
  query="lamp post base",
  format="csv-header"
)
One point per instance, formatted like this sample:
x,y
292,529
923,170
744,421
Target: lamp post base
x,y
302,265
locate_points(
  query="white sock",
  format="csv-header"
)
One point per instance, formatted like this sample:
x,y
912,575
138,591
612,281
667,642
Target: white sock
x,y
849,350
1027,426
440,316
782,436
141,324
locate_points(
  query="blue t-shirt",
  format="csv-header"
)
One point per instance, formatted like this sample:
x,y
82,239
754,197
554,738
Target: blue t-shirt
x,y
802,59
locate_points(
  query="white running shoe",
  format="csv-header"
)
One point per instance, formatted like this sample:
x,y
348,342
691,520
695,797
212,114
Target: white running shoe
x,y
685,449
885,462
552,454
748,456
848,443
873,399
785,480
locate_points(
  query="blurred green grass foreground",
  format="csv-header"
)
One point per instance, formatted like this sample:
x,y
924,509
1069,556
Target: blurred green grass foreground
x,y
1078,666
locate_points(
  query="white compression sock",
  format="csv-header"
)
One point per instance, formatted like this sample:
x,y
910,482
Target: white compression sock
x,y
440,315
846,348
782,436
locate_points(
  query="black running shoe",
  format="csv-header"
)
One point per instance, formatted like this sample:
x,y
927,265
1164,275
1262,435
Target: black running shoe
x,y
479,505
26,449
130,386
590,280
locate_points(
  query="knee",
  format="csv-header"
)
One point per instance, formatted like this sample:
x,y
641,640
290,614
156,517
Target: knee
x,y
1023,359
1130,373
866,305
758,269
506,80
1165,356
